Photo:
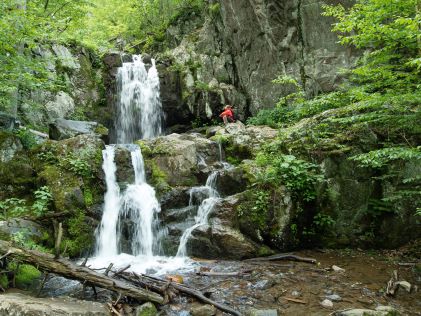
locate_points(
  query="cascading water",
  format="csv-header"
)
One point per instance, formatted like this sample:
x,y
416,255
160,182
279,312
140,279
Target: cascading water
x,y
205,208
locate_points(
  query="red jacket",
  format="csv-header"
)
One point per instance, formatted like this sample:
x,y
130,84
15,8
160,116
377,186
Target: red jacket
x,y
227,112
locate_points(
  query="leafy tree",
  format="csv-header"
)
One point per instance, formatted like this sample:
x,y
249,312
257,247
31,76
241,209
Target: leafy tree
x,y
24,27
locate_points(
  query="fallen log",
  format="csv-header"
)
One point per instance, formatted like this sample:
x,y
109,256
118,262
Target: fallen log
x,y
72,271
283,256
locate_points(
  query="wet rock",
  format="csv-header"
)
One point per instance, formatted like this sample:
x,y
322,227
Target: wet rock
x,y
113,60
203,310
231,181
220,241
261,312
63,129
327,303
174,157
15,304
147,309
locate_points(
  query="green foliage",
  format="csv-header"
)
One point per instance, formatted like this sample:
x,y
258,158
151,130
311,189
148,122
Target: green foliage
x,y
43,199
27,139
299,176
78,166
389,31
25,26
257,211
382,157
131,24
13,207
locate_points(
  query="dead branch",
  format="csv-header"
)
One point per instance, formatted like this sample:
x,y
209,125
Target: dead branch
x,y
284,256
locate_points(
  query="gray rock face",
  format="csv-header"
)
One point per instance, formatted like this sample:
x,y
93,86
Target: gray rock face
x,y
7,122
63,129
15,304
9,146
60,107
82,79
15,225
242,46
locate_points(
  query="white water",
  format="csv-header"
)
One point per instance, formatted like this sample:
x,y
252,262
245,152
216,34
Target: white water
x,y
205,208
139,115
139,109
107,242
135,210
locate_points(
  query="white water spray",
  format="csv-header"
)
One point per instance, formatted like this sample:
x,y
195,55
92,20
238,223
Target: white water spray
x,y
139,109
203,212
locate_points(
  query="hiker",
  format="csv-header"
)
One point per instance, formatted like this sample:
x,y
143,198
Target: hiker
x,y
227,114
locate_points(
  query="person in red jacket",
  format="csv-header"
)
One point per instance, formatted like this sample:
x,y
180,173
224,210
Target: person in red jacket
x,y
227,114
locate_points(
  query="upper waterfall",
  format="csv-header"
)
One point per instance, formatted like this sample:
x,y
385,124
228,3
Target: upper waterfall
x,y
139,109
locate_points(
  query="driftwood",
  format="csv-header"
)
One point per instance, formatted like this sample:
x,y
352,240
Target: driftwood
x,y
72,271
392,285
284,256
295,300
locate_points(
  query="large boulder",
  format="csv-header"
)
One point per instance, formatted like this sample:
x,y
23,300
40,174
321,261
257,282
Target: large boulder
x,y
174,158
63,129
16,304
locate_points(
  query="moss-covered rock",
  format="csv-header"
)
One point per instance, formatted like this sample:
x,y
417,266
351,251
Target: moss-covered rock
x,y
72,170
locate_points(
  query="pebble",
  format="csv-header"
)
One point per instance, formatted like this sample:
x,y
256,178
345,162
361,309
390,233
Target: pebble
x,y
334,297
337,269
327,303
263,284
295,293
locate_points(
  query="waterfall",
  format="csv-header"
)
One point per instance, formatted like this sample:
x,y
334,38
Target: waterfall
x,y
205,208
139,109
139,115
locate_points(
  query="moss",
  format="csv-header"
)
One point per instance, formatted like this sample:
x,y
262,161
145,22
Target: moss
x,y
101,130
79,237
159,178
4,282
264,251
26,275
146,150
87,196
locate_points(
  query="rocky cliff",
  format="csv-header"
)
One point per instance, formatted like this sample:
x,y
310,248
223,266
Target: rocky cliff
x,y
233,51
